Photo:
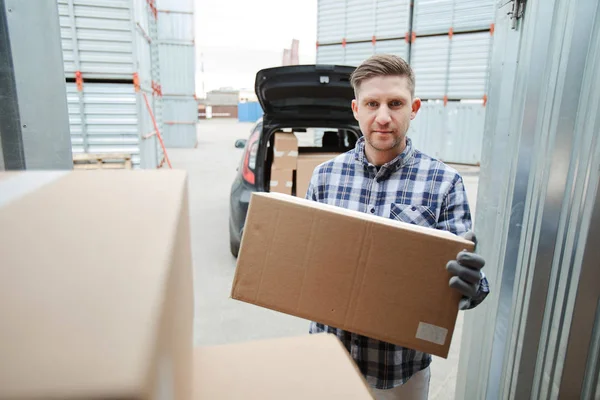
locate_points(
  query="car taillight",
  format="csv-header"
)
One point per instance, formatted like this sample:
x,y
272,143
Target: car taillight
x,y
250,159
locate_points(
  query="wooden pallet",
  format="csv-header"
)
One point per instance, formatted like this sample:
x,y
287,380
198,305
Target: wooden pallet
x,y
102,161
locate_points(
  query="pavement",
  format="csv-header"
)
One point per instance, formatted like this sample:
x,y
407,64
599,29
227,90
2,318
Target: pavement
x,y
211,167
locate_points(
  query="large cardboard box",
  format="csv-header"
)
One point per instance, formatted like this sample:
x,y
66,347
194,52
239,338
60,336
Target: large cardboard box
x,y
282,181
306,164
96,285
366,274
298,368
285,151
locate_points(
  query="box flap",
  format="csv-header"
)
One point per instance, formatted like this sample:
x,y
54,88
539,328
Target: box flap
x,y
307,367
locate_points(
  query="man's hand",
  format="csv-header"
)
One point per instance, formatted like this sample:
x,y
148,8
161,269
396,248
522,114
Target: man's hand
x,y
466,271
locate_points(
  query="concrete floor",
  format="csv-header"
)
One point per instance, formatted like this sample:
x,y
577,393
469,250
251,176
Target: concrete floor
x,y
218,319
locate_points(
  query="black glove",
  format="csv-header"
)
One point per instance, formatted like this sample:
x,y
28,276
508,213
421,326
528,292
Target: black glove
x,y
466,271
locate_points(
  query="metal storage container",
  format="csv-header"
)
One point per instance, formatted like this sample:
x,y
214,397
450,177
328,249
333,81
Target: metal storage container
x,y
180,116
356,53
429,59
97,38
469,65
398,47
177,66
177,70
438,16
331,54
360,20
451,133
392,19
112,118
331,21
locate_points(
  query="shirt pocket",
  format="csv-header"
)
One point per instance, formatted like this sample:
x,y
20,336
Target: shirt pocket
x,y
413,214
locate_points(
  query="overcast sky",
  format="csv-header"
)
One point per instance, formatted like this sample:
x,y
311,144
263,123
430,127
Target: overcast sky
x,y
236,38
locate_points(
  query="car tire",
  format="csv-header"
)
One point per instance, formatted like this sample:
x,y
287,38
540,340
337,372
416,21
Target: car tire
x,y
234,246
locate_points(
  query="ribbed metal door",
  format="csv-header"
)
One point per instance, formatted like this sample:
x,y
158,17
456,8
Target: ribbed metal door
x,y
429,59
468,68
538,337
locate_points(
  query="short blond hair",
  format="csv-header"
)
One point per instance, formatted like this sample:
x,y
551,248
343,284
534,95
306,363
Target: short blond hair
x,y
382,65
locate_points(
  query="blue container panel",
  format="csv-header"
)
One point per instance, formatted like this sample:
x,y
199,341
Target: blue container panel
x,y
249,112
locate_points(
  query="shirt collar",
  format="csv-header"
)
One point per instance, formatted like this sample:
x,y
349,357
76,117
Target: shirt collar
x,y
401,160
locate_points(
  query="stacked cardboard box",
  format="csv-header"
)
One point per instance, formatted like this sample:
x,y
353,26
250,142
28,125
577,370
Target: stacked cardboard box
x,y
285,154
94,307
291,171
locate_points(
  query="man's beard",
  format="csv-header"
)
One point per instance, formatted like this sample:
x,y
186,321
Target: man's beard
x,y
398,141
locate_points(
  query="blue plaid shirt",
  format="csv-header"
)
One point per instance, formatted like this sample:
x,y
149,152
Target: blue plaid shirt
x,y
413,188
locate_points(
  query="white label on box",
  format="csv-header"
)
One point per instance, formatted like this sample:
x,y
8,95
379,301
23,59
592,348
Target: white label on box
x,y
274,183
432,333
289,184
278,153
293,153
165,389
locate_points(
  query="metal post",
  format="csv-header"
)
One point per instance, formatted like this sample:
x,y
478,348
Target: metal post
x,y
77,62
34,124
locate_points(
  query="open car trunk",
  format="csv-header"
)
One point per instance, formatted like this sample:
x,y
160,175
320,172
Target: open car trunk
x,y
307,119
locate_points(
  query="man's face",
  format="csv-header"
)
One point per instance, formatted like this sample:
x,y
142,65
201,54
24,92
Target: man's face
x,y
384,108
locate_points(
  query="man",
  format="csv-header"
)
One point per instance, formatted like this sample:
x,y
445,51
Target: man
x,y
385,175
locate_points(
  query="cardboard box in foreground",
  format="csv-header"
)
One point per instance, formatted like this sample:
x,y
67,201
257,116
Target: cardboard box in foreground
x,y
96,284
307,367
369,275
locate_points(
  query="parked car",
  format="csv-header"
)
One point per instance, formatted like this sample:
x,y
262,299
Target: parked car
x,y
304,99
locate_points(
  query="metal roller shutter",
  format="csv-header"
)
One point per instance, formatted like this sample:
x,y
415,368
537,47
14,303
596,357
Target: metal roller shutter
x,y
469,65
429,60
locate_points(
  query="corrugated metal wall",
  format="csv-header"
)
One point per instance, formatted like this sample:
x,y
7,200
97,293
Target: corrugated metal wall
x,y
177,71
107,49
448,44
